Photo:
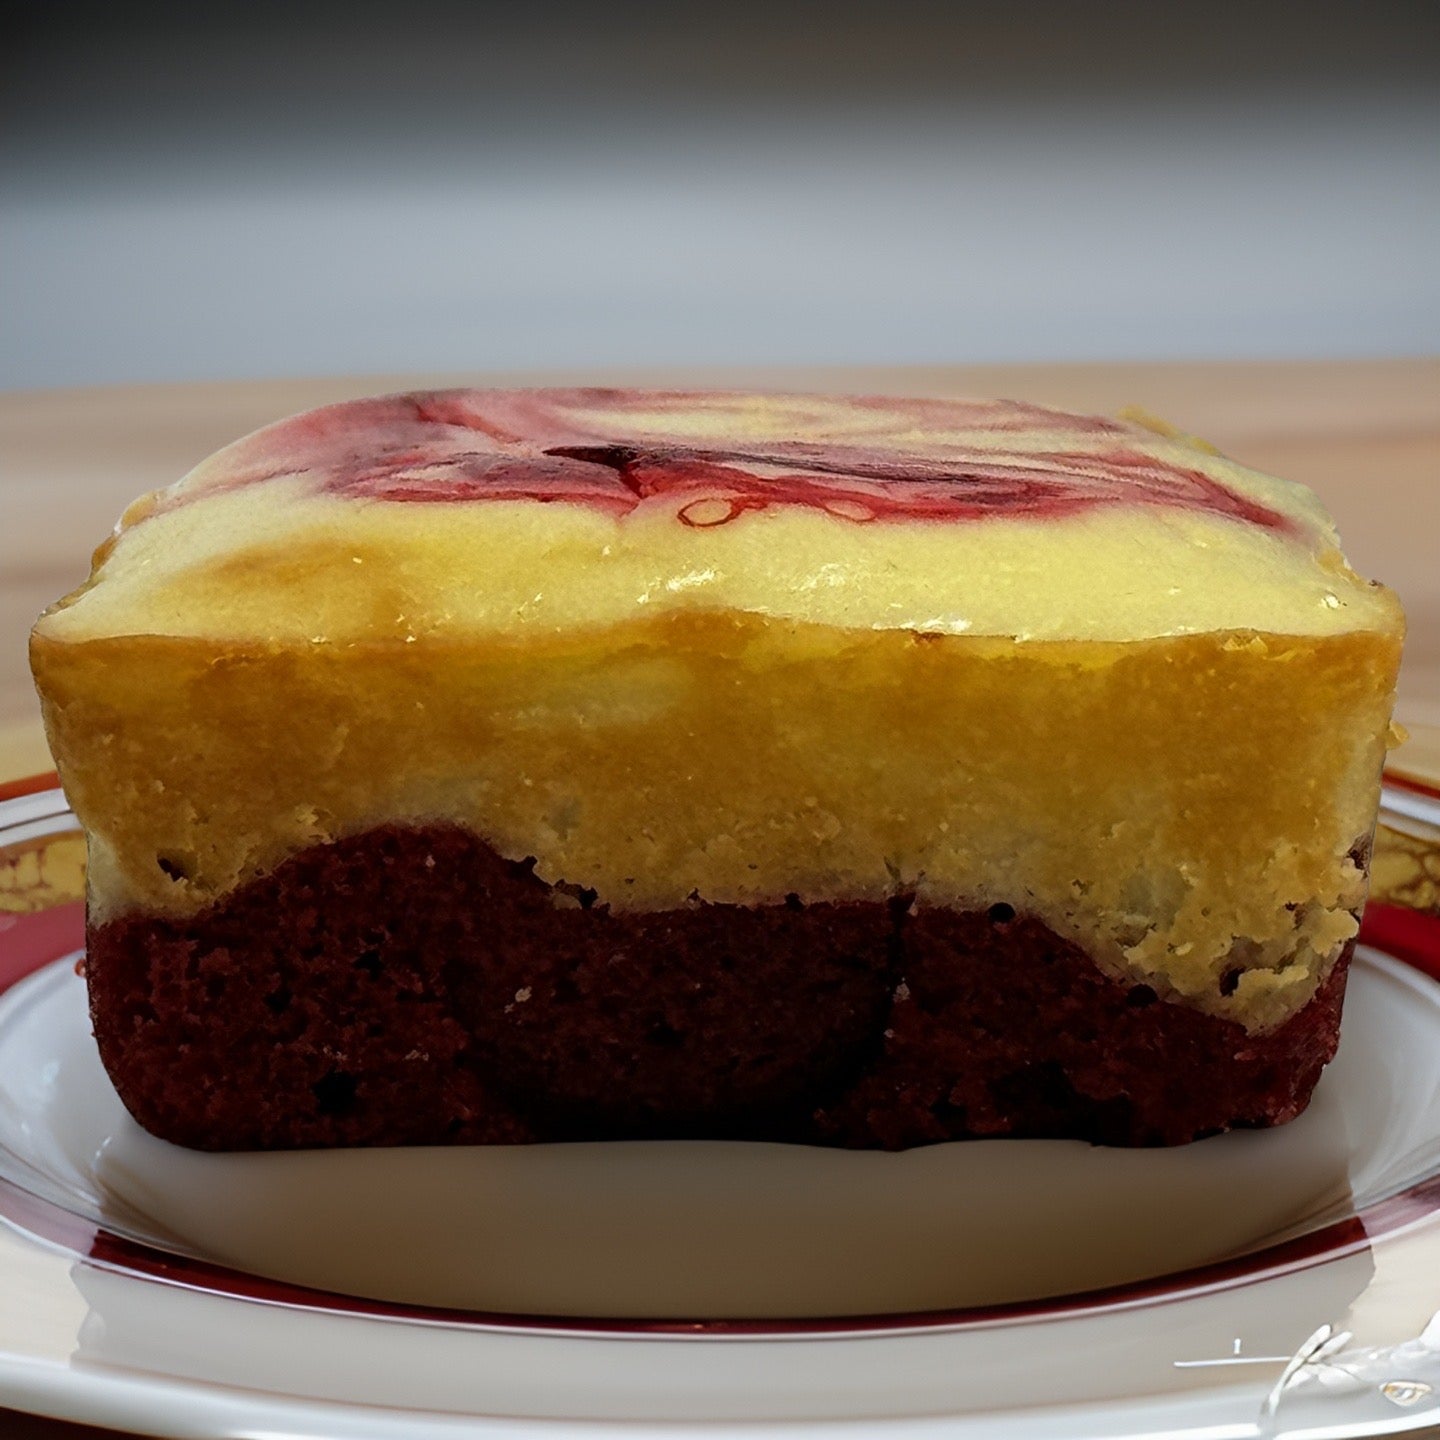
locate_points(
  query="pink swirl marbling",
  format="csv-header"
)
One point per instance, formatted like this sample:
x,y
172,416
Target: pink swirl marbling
x,y
861,459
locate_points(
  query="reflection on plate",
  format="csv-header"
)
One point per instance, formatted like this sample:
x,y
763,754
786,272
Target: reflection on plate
x,y
704,1231
704,1281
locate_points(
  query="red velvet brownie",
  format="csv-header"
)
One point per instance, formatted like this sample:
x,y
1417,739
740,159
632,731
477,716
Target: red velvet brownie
x,y
511,766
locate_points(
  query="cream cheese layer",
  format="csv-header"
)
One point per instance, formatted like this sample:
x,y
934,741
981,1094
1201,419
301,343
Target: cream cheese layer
x,y
505,513
679,648
1185,810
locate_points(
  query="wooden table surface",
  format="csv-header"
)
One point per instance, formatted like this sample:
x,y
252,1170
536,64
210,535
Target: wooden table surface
x,y
1365,435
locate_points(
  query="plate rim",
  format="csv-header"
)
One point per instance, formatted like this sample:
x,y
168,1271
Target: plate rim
x,y
178,1404
49,1222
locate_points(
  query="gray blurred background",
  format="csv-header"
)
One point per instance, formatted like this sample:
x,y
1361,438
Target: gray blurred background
x,y
214,191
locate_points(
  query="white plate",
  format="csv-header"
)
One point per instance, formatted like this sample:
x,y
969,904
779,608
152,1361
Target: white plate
x,y
1059,1288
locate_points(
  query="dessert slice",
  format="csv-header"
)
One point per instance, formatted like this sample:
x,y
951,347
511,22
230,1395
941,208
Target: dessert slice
x,y
505,766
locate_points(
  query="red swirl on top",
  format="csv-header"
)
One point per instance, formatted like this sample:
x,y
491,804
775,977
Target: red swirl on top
x,y
716,456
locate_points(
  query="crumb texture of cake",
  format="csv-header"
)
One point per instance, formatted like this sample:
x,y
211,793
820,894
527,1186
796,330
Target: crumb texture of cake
x,y
442,995
1181,808
793,690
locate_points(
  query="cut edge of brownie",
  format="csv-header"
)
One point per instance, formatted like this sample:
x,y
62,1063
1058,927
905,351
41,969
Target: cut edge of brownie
x,y
411,986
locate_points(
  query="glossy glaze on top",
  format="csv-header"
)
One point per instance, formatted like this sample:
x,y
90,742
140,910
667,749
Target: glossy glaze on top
x,y
361,522
723,455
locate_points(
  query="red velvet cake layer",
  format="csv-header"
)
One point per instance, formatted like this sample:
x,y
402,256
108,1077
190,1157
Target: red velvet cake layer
x,y
410,986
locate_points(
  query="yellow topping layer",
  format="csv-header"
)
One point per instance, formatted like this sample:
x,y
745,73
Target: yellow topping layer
x,y
1178,807
285,537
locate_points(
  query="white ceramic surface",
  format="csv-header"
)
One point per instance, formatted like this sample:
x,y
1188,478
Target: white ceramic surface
x,y
91,1339
696,1230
